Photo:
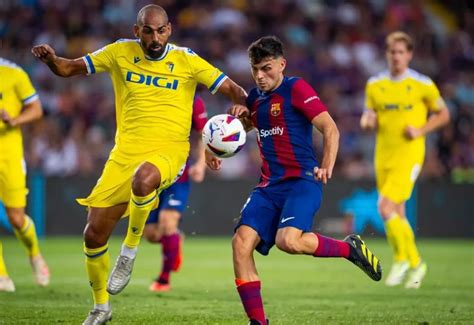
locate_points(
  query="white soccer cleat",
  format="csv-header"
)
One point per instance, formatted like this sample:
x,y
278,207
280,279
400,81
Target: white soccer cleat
x,y
97,317
121,274
416,276
6,284
397,274
40,270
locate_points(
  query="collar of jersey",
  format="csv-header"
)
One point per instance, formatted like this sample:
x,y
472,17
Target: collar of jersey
x,y
404,75
167,49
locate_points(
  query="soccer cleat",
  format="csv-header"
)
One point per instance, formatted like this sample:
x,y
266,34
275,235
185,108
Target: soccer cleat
x,y
6,284
256,322
98,316
40,270
361,256
159,287
397,274
416,276
120,275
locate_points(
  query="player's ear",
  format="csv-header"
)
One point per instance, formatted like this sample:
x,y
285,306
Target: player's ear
x,y
170,29
135,30
283,64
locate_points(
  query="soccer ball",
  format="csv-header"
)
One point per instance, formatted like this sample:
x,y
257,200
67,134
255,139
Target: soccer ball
x,y
223,135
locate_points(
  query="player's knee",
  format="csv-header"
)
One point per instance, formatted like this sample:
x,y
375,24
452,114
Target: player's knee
x,y
287,244
385,209
241,247
146,178
93,238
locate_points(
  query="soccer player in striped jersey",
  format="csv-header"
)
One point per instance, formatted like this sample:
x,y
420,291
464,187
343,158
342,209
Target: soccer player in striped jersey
x,y
397,104
154,83
281,208
162,224
19,105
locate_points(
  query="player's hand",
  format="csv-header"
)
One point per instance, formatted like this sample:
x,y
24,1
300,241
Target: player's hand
x,y
212,161
197,172
239,111
6,118
412,132
44,52
322,174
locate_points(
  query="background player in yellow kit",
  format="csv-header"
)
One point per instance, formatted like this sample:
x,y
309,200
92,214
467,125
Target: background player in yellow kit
x,y
154,83
398,102
19,105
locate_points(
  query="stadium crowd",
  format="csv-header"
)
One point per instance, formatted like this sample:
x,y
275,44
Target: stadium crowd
x,y
335,45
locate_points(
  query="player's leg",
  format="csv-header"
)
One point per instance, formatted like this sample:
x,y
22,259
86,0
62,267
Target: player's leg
x,y
146,180
100,224
248,283
418,268
14,198
6,284
25,231
171,248
294,235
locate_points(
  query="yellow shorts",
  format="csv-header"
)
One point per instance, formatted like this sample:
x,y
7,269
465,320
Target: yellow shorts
x,y
13,189
396,183
115,184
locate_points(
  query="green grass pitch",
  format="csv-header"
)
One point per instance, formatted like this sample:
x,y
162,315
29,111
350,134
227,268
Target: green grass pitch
x,y
296,289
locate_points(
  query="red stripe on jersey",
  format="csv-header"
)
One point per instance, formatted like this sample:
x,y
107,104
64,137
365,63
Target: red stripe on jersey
x,y
282,143
305,100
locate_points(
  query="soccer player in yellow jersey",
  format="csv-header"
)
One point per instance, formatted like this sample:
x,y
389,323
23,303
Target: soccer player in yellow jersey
x,y
403,106
19,105
154,83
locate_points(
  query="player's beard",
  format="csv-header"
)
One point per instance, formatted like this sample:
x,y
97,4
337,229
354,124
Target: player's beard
x,y
155,53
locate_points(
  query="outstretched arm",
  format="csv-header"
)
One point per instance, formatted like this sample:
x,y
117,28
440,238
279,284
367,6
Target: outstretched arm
x,y
60,66
325,124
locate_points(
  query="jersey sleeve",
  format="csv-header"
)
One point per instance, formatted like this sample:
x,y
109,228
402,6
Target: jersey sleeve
x,y
204,72
432,97
305,100
24,89
199,114
101,60
369,100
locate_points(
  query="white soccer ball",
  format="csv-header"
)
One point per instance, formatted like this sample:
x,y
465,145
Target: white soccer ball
x,y
223,135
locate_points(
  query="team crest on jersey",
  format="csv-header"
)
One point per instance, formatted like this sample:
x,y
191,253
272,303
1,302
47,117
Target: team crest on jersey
x,y
275,109
170,66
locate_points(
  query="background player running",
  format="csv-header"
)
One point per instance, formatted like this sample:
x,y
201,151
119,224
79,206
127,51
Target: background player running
x,y
397,104
19,105
281,208
154,84
162,224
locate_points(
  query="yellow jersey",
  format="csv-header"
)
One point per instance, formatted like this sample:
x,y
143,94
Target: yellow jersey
x,y
399,102
153,97
16,91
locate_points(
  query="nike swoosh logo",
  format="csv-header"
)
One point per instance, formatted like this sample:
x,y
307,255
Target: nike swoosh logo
x,y
283,220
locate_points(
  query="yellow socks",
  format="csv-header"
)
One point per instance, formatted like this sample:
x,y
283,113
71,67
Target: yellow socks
x,y
27,235
3,268
97,266
140,207
412,251
396,237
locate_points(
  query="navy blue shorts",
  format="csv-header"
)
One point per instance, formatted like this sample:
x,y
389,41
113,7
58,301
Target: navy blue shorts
x,y
289,203
174,197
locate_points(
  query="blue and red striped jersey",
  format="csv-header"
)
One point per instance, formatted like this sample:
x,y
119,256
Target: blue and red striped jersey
x,y
283,121
198,121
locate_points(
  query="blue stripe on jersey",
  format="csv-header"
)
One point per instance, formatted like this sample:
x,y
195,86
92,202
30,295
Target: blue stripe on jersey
x,y
217,83
90,65
29,99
